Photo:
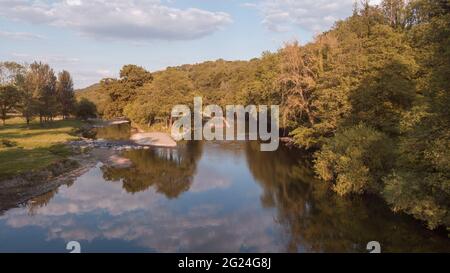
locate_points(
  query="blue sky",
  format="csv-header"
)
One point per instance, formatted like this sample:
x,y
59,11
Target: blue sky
x,y
94,38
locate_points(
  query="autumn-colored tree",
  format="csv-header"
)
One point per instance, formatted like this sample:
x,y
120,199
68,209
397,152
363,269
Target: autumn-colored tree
x,y
298,81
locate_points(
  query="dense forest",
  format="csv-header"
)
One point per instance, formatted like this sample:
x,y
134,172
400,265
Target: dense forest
x,y
369,99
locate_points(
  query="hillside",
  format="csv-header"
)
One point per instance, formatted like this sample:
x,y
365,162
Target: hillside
x,y
217,82
93,93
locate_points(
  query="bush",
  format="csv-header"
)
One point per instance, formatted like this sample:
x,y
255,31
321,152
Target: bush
x,y
355,160
426,198
420,182
306,137
86,109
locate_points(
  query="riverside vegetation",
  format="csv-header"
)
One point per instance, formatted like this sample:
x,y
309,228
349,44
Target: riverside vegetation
x,y
368,100
35,107
31,148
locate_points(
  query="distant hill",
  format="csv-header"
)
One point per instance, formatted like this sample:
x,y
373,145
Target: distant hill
x,y
216,81
95,94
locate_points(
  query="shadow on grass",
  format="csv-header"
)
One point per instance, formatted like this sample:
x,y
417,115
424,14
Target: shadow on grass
x,y
22,130
31,135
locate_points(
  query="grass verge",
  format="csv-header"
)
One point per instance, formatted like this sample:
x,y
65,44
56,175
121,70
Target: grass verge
x,y
30,148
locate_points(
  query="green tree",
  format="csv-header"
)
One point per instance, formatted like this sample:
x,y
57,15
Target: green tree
x,y
383,98
355,160
156,99
9,99
85,109
135,76
27,104
65,92
10,96
41,81
262,86
419,183
123,91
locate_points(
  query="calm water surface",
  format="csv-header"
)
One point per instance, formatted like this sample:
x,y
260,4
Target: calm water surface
x,y
207,197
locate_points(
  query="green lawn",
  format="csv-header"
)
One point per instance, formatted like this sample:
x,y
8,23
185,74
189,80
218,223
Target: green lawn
x,y
33,147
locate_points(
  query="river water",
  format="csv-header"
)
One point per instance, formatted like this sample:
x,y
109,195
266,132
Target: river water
x,y
208,197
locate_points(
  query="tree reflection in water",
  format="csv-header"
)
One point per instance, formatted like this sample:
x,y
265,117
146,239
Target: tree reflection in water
x,y
40,201
318,220
272,204
170,171
114,132
43,200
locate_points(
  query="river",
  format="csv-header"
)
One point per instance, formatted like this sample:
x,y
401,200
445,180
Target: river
x,y
208,197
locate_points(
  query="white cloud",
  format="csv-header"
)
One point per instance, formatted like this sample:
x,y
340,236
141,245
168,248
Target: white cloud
x,y
51,58
133,19
309,15
82,76
20,35
104,73
88,76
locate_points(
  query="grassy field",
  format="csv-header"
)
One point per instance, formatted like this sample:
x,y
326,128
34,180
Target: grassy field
x,y
24,148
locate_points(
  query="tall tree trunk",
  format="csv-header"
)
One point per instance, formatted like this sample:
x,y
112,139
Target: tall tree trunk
x,y
4,117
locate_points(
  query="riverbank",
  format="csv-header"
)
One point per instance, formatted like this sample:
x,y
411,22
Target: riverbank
x,y
22,188
32,148
27,148
35,158
27,185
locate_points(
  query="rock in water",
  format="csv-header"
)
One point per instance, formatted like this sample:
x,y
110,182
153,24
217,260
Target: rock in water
x,y
154,139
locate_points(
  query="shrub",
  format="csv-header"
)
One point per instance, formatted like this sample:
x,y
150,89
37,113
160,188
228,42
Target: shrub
x,y
86,109
355,160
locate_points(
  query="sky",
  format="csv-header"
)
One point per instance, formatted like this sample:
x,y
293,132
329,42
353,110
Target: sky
x,y
93,39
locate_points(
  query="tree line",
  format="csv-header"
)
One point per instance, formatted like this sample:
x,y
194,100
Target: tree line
x,y
36,91
369,99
